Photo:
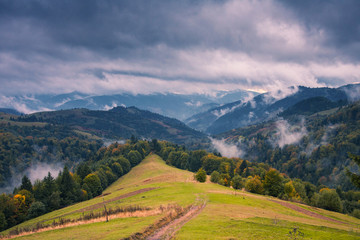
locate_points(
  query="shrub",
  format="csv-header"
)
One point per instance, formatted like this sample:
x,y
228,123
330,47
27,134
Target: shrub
x,y
36,209
329,199
356,213
200,176
254,185
237,182
215,177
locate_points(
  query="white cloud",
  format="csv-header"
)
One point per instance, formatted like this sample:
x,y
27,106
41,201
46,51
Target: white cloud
x,y
12,102
196,103
107,107
289,134
40,170
226,150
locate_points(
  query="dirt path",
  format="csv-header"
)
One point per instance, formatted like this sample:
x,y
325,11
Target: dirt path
x,y
168,231
305,211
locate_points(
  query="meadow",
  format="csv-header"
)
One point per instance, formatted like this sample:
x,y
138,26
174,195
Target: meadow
x,y
158,189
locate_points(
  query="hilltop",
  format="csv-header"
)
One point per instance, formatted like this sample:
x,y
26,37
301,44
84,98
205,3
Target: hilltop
x,y
164,194
119,123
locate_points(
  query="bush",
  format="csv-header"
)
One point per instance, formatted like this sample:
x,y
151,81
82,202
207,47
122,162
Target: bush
x,y
36,209
200,176
215,177
226,178
329,199
254,185
356,213
237,182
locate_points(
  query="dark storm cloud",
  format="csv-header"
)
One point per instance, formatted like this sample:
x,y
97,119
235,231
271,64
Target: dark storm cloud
x,y
340,19
162,46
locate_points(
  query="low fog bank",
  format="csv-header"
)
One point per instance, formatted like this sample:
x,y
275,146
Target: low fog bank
x,y
36,171
226,150
289,134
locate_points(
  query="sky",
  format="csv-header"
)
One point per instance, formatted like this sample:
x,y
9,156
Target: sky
x,y
189,46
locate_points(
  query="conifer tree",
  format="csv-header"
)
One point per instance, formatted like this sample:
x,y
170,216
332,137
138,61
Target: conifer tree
x,y
26,184
355,178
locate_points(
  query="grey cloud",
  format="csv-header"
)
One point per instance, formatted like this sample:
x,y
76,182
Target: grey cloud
x,y
101,46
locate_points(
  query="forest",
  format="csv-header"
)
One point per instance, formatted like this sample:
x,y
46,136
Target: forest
x,y
87,180
313,148
259,178
311,171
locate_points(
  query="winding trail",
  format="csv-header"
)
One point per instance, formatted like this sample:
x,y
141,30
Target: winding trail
x,y
168,231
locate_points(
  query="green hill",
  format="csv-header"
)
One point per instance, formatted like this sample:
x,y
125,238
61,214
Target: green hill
x,y
154,195
120,122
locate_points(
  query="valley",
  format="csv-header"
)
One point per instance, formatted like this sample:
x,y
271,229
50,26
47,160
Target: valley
x,y
228,213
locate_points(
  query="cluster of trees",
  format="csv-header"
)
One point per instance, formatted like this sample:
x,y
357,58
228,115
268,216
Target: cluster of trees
x,y
21,147
258,178
88,180
320,157
119,122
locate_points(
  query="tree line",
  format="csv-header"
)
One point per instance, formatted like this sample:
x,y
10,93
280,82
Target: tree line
x,y
85,181
258,178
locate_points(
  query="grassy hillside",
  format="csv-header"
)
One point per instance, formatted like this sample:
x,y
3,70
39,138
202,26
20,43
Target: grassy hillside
x,y
198,210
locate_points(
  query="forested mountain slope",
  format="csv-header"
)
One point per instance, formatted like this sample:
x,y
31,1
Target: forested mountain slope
x,y
267,106
314,148
120,122
155,196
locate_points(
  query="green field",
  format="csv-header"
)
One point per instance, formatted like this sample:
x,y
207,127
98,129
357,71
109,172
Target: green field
x,y
228,214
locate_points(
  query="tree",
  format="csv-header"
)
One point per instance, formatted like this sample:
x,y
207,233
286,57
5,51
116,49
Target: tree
x,y
329,199
125,164
215,177
36,209
254,185
155,146
54,201
92,181
117,169
83,170
237,182
211,163
3,222
355,178
242,167
195,159
26,184
225,179
290,192
273,183
67,188
134,157
200,176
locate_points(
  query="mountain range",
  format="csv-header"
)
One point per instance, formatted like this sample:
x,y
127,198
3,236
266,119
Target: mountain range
x,y
268,106
119,123
178,106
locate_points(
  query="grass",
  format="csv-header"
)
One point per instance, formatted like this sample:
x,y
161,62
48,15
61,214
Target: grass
x,y
226,215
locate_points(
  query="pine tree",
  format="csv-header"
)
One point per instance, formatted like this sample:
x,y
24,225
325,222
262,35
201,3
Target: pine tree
x,y
355,178
26,184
